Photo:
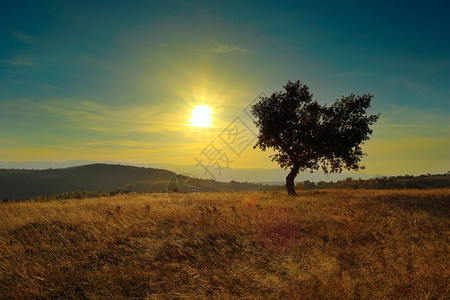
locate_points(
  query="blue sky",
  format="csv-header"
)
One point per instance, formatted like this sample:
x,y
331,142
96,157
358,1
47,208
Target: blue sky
x,y
114,80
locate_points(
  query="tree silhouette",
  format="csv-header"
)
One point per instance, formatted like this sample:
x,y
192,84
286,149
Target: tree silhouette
x,y
309,136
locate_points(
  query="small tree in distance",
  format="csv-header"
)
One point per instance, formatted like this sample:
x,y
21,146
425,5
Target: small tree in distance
x,y
309,136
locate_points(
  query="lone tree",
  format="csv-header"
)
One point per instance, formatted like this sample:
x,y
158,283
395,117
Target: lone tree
x,y
309,136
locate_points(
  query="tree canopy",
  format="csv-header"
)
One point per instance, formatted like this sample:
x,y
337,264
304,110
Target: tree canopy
x,y
307,135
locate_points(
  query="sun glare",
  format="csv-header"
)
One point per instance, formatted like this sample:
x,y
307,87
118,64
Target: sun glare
x,y
201,116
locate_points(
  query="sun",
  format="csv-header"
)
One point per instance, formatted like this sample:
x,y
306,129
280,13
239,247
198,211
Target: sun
x,y
201,116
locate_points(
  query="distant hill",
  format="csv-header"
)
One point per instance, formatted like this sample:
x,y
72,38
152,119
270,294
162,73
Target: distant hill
x,y
22,184
255,175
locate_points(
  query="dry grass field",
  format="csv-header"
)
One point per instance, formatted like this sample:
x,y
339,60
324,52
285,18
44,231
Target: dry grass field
x,y
334,244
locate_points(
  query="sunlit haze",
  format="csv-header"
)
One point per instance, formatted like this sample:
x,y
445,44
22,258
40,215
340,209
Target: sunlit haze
x,y
166,82
201,116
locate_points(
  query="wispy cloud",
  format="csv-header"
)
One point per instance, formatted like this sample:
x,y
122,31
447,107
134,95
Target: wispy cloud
x,y
409,140
7,141
46,87
225,48
401,81
21,61
415,86
22,37
88,115
355,75
406,122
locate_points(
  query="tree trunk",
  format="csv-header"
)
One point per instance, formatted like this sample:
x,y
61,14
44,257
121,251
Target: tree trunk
x,y
290,179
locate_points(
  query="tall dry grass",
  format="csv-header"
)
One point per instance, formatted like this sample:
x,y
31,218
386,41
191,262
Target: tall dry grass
x,y
329,244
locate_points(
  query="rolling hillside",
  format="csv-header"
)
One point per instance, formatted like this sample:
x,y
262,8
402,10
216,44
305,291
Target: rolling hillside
x,y
23,184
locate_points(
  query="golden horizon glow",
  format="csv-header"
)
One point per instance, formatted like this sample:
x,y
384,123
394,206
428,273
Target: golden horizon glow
x,y
201,116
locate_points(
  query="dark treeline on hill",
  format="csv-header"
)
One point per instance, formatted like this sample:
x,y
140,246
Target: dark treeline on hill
x,y
102,179
21,184
392,182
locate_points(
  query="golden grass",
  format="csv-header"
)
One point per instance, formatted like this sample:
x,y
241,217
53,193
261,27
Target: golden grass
x,y
329,244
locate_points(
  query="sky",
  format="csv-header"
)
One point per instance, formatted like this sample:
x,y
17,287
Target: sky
x,y
118,80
